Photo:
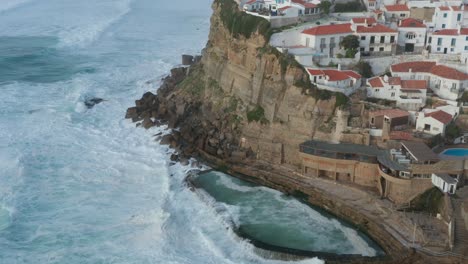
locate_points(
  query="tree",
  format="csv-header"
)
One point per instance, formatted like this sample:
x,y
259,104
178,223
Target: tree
x,y
350,42
452,131
364,69
325,6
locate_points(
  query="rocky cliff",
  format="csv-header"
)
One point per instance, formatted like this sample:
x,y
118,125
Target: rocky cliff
x,y
243,98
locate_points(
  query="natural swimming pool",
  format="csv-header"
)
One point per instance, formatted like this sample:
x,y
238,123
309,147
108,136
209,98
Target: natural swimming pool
x,y
458,152
273,218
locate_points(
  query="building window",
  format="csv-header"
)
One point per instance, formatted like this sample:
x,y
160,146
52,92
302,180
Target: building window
x,y
453,41
392,39
410,35
438,49
445,14
362,49
430,40
451,49
381,49
466,38
363,37
454,86
466,47
371,49
443,25
439,41
376,90
393,95
382,39
402,14
458,17
372,39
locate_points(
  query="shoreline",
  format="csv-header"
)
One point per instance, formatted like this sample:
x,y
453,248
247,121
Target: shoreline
x,y
286,253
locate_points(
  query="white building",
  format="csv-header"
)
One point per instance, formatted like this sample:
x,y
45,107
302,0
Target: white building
x,y
254,5
447,17
411,35
444,182
325,39
335,80
445,82
373,37
449,41
408,94
433,123
396,12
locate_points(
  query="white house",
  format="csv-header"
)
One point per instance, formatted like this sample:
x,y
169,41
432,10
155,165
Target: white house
x,y
445,82
254,5
325,39
396,12
408,94
411,35
375,38
444,182
433,123
449,41
447,17
335,80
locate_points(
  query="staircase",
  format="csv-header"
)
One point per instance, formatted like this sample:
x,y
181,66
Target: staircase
x,y
461,233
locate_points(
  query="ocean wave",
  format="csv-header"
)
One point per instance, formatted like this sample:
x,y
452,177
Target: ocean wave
x,y
10,4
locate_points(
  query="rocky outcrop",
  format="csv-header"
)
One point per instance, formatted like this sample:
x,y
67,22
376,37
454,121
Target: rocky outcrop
x,y
243,99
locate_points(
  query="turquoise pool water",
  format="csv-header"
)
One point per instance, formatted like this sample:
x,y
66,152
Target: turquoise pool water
x,y
458,152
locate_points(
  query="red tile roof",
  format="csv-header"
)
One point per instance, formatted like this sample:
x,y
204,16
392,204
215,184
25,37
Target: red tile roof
x,y
397,8
451,32
414,84
446,32
440,116
284,8
335,75
394,80
444,8
448,73
329,29
400,135
390,113
415,66
375,82
364,20
378,28
411,23
448,8
304,3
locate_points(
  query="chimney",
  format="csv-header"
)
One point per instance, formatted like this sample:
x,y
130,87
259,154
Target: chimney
x,y
399,22
410,70
385,78
339,67
458,27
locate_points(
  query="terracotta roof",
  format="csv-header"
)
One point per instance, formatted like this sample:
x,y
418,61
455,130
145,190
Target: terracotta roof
x,y
412,23
451,32
335,75
390,113
448,73
415,66
284,8
304,3
378,28
440,116
364,20
444,8
448,8
414,84
394,80
375,82
401,135
397,8
329,29
254,1
310,5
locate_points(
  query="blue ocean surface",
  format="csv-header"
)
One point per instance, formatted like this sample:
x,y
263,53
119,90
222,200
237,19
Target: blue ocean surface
x,y
83,185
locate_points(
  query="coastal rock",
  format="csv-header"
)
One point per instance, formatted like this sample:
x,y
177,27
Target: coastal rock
x,y
91,102
166,139
132,112
147,123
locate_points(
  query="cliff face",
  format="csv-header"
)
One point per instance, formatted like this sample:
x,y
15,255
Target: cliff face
x,y
244,98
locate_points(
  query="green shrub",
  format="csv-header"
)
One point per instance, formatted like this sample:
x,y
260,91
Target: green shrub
x,y
355,6
241,23
257,115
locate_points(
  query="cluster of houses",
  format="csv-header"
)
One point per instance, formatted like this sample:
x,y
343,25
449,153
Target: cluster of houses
x,y
389,28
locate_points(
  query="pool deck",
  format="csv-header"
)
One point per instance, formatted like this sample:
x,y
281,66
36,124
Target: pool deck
x,y
440,150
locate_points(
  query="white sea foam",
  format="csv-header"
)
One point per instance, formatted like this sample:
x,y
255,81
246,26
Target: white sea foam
x,y
10,4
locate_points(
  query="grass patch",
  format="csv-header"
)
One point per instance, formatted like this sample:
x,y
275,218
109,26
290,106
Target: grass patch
x,y
193,83
430,201
257,114
355,6
240,23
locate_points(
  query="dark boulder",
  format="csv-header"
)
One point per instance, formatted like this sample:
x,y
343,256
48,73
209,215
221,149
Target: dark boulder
x,y
91,102
147,123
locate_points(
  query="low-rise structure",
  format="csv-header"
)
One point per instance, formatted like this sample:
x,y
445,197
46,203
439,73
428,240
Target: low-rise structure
x,y
445,82
399,174
433,123
396,12
396,119
411,35
335,80
408,94
449,41
444,182
447,17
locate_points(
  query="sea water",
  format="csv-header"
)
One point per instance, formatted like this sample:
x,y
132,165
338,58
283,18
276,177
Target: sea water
x,y
81,185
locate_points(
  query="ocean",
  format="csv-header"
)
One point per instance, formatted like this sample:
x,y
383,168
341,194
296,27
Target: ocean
x,y
84,185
